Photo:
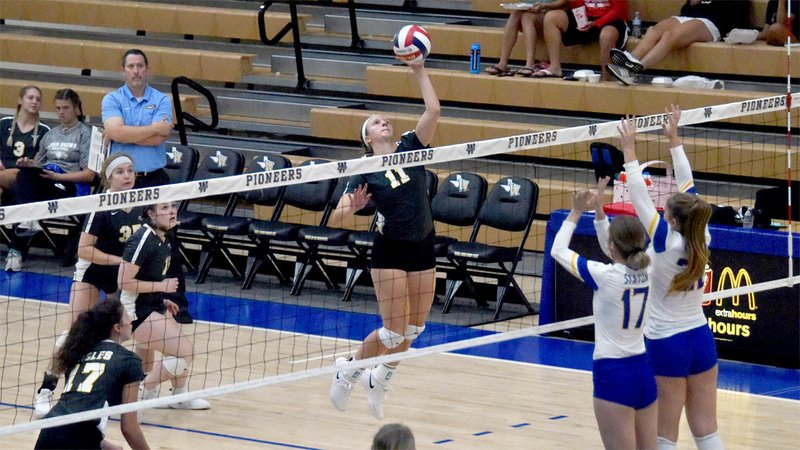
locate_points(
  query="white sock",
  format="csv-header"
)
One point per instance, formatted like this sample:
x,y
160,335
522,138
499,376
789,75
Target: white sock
x,y
666,444
710,442
352,375
383,374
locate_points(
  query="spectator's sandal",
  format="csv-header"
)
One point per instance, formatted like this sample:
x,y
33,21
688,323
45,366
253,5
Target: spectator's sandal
x,y
526,72
497,71
545,73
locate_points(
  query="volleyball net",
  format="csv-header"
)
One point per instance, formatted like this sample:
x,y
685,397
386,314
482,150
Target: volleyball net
x,y
272,311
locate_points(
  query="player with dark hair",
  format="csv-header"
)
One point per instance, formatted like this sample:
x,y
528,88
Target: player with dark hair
x,y
679,342
99,256
144,283
101,373
625,405
403,261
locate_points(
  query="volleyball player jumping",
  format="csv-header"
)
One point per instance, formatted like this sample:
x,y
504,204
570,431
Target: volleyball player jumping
x,y
678,339
403,262
624,386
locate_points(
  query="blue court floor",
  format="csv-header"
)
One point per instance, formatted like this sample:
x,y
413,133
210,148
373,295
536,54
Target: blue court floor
x,y
734,376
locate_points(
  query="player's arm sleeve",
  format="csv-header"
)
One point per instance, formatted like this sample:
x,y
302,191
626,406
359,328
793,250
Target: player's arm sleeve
x,y
601,229
641,198
683,170
576,264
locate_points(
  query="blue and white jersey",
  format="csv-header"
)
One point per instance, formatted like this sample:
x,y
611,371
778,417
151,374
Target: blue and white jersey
x,y
674,312
619,300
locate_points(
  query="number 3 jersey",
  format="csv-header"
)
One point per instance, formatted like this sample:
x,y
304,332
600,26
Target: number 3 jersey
x,y
99,379
112,229
401,195
620,296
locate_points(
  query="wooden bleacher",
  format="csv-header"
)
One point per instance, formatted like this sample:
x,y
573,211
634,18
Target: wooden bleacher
x,y
717,58
105,56
553,94
649,10
91,96
721,157
149,17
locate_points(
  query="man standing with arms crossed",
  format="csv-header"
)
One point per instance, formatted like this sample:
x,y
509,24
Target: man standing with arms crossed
x,y
137,120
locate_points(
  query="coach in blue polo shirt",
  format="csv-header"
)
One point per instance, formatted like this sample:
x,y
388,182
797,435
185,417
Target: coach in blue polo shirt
x,y
137,120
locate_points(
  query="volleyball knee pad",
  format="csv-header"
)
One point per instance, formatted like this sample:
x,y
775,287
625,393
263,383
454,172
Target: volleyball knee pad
x,y
175,366
413,332
61,339
389,338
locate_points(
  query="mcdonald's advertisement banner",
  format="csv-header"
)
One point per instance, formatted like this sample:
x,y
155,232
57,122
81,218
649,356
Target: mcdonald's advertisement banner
x,y
762,327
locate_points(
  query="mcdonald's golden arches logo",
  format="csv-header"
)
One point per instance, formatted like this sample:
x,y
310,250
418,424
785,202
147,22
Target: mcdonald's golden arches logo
x,y
741,278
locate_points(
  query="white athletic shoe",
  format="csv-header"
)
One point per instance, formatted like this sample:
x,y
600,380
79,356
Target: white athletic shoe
x,y
340,388
13,261
42,403
196,404
622,74
625,59
376,393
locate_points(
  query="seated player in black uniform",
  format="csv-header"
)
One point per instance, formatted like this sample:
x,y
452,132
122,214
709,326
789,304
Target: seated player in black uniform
x,y
101,372
144,284
403,262
99,256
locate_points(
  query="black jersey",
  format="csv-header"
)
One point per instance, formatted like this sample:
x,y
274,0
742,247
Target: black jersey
x,y
21,143
96,381
152,254
113,228
401,196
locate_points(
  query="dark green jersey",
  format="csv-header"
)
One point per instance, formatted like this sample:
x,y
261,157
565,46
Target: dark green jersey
x,y
400,194
99,379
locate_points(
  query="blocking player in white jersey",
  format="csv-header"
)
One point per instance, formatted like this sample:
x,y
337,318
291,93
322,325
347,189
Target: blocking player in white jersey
x,y
677,336
624,386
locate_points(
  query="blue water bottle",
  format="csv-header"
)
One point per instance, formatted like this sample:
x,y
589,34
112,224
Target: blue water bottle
x,y
475,58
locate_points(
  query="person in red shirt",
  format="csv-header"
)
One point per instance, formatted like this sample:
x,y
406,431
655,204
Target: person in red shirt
x,y
606,23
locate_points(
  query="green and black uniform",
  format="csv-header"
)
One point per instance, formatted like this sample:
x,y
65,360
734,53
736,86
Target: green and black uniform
x,y
152,254
405,225
96,381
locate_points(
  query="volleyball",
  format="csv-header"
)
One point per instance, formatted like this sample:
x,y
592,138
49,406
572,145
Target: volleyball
x,y
411,44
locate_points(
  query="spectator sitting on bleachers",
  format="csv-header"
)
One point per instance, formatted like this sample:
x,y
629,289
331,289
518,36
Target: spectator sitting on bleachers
x,y
776,29
699,21
58,170
606,23
530,22
60,167
20,135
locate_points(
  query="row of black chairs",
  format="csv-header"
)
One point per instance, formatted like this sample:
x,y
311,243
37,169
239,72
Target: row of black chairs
x,y
460,201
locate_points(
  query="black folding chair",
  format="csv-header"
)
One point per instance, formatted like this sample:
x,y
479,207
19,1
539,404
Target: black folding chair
x,y
217,226
217,164
456,204
181,163
509,206
313,196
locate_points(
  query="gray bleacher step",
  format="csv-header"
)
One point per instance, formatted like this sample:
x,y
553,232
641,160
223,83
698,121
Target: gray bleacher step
x,y
381,26
323,67
278,107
